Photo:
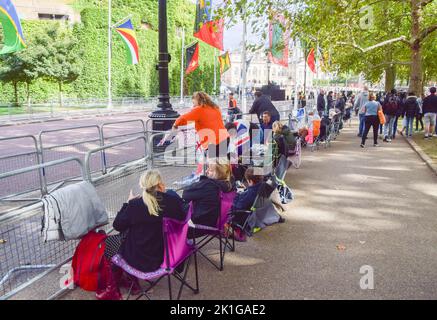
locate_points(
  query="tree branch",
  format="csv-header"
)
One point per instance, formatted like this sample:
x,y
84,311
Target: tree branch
x,y
424,3
401,63
426,32
381,44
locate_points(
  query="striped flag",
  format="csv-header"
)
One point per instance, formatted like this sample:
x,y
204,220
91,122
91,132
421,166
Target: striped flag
x,y
12,30
311,60
127,33
192,61
206,28
278,41
225,62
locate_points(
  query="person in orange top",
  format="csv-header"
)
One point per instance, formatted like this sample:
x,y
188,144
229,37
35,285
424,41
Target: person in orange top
x,y
209,125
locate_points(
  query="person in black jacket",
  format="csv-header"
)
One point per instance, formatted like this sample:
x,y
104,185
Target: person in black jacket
x,y
321,104
261,104
410,110
330,100
139,222
429,108
390,108
204,195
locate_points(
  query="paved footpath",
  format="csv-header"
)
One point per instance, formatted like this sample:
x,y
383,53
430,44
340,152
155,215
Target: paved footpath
x,y
353,207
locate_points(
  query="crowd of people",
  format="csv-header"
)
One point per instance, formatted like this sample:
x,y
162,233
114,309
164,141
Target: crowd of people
x,y
139,221
382,112
139,240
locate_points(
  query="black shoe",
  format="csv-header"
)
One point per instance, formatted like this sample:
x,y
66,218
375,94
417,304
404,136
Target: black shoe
x,y
281,219
362,145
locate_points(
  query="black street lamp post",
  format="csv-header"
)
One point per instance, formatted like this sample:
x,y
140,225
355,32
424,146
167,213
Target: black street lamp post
x,y
164,116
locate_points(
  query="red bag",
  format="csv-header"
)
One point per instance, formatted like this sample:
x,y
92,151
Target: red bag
x,y
88,261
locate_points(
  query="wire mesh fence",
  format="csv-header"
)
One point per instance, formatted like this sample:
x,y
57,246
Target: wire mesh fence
x,y
81,140
13,187
23,255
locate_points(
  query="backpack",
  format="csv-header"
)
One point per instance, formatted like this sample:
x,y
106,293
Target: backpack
x,y
88,261
391,107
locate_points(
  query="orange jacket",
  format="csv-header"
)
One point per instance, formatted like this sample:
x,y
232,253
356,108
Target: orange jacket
x,y
208,123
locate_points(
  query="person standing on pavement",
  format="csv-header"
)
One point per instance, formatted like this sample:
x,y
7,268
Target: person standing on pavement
x,y
360,102
330,100
261,104
209,125
391,108
371,119
410,111
419,116
430,113
321,104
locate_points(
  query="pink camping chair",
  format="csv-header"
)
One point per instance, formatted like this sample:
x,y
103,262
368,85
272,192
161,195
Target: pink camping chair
x,y
217,232
177,249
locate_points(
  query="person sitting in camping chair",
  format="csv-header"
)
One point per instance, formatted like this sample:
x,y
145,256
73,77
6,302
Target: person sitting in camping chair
x,y
255,198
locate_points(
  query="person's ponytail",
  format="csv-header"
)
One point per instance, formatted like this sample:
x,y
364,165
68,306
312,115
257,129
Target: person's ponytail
x,y
149,182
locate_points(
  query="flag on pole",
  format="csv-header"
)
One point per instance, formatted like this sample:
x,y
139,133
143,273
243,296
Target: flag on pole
x,y
192,61
225,62
278,41
324,60
127,33
12,30
311,60
206,28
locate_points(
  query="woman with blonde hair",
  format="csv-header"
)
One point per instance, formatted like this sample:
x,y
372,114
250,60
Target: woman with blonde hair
x,y
139,222
209,125
204,194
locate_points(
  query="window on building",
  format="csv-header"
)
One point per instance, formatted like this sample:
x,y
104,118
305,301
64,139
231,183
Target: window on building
x,y
49,16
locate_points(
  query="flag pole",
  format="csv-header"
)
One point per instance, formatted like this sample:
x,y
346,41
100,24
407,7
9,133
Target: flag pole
x,y
109,54
215,71
244,68
182,66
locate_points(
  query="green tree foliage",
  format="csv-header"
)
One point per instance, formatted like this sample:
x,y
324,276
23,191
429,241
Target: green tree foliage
x,y
363,36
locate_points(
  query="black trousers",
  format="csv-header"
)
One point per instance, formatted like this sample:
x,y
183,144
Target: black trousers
x,y
370,121
419,120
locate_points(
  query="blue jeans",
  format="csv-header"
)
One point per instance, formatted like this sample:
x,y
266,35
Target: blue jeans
x,y
389,126
362,124
409,131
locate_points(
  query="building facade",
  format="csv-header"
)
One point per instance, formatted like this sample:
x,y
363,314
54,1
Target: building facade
x,y
259,71
46,10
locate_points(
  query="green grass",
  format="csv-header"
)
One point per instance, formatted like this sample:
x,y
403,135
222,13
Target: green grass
x,y
5,111
429,146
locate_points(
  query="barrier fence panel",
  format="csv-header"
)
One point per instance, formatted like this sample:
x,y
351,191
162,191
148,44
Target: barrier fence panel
x,y
11,160
23,255
80,140
121,130
118,153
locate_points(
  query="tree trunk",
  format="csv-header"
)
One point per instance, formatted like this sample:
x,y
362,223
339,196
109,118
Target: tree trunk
x,y
60,94
16,93
28,96
416,85
390,77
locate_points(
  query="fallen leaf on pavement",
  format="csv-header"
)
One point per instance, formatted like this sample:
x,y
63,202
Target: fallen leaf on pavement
x,y
2,241
362,242
341,247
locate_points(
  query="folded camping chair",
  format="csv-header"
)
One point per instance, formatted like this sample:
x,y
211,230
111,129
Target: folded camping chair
x,y
263,212
217,232
177,250
279,178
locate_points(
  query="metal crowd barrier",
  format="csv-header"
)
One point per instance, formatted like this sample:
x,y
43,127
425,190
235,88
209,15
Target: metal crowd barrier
x,y
22,254
13,190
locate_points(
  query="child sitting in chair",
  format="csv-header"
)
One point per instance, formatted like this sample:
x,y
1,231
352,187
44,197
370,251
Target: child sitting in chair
x,y
244,201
